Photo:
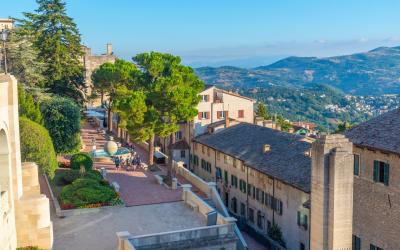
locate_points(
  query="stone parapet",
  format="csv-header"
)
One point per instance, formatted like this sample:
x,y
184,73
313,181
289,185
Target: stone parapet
x,y
30,178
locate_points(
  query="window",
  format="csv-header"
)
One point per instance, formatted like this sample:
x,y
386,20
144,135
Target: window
x,y
221,114
262,197
240,113
203,149
191,158
208,151
218,173
381,172
218,155
356,243
234,205
260,218
251,215
234,181
242,185
225,159
302,246
258,194
178,135
205,98
373,247
242,209
226,177
357,165
249,188
195,160
254,192
234,163
183,153
302,220
204,115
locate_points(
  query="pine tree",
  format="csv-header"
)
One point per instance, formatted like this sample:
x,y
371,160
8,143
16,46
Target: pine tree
x,y
23,61
262,110
59,44
28,107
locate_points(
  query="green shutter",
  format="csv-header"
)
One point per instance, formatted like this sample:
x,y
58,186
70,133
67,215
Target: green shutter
x,y
386,174
298,218
356,164
226,176
244,186
376,171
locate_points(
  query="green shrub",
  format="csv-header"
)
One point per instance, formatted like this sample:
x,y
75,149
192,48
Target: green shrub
x,y
36,146
72,174
81,159
62,119
85,191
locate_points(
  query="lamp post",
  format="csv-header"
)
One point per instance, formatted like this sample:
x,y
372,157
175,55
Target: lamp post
x,y
3,38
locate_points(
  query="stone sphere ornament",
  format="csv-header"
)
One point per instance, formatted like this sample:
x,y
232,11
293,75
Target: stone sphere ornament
x,y
111,147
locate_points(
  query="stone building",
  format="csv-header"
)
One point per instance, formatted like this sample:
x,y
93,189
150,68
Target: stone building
x,y
25,213
6,23
215,106
376,218
92,62
263,176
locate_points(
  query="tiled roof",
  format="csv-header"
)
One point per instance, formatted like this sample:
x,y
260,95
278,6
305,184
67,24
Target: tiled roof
x,y
181,145
287,160
381,132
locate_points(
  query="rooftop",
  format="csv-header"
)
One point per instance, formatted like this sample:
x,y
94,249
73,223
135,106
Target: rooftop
x,y
380,133
287,160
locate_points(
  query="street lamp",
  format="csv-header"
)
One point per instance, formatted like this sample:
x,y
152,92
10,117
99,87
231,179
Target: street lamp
x,y
3,38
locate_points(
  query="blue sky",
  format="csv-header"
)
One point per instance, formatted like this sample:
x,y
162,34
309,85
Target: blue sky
x,y
231,32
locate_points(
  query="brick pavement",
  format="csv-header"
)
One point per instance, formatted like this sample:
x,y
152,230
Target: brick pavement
x,y
136,187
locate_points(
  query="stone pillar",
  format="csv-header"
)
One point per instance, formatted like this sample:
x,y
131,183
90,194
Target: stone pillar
x,y
331,193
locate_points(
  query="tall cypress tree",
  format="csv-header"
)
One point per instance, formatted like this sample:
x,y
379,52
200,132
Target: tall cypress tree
x,y
58,41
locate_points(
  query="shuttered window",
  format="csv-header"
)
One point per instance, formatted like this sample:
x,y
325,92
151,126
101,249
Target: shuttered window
x,y
381,172
357,165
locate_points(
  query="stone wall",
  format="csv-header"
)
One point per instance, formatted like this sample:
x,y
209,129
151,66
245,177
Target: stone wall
x,y
376,206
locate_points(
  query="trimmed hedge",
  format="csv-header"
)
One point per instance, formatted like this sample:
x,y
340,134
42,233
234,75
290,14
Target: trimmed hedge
x,y
81,159
72,175
37,146
83,192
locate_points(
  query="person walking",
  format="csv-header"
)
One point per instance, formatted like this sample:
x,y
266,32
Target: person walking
x,y
117,161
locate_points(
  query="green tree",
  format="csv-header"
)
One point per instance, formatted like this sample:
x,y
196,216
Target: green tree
x,y
58,41
62,119
108,78
36,146
343,127
28,107
22,58
172,94
262,110
285,125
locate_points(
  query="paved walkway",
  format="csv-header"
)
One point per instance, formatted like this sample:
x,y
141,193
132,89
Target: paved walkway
x,y
136,187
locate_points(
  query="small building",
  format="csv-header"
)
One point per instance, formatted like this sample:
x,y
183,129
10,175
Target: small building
x,y
6,23
215,107
263,176
376,218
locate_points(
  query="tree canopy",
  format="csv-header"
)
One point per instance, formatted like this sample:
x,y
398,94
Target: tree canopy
x,y
262,110
62,119
28,107
58,42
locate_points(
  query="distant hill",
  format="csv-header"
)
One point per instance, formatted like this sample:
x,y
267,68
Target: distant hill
x,y
370,73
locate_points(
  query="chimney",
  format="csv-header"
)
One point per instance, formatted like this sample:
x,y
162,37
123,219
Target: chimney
x,y
226,119
109,49
266,148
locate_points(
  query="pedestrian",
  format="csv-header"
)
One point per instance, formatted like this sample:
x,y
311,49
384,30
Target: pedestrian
x,y
134,162
117,161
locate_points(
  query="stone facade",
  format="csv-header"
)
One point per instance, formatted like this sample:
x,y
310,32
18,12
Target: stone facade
x,y
25,219
241,202
215,106
376,206
332,193
6,23
92,62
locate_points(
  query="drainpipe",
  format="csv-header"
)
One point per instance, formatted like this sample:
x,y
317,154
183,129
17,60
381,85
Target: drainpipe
x,y
190,146
247,193
273,197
